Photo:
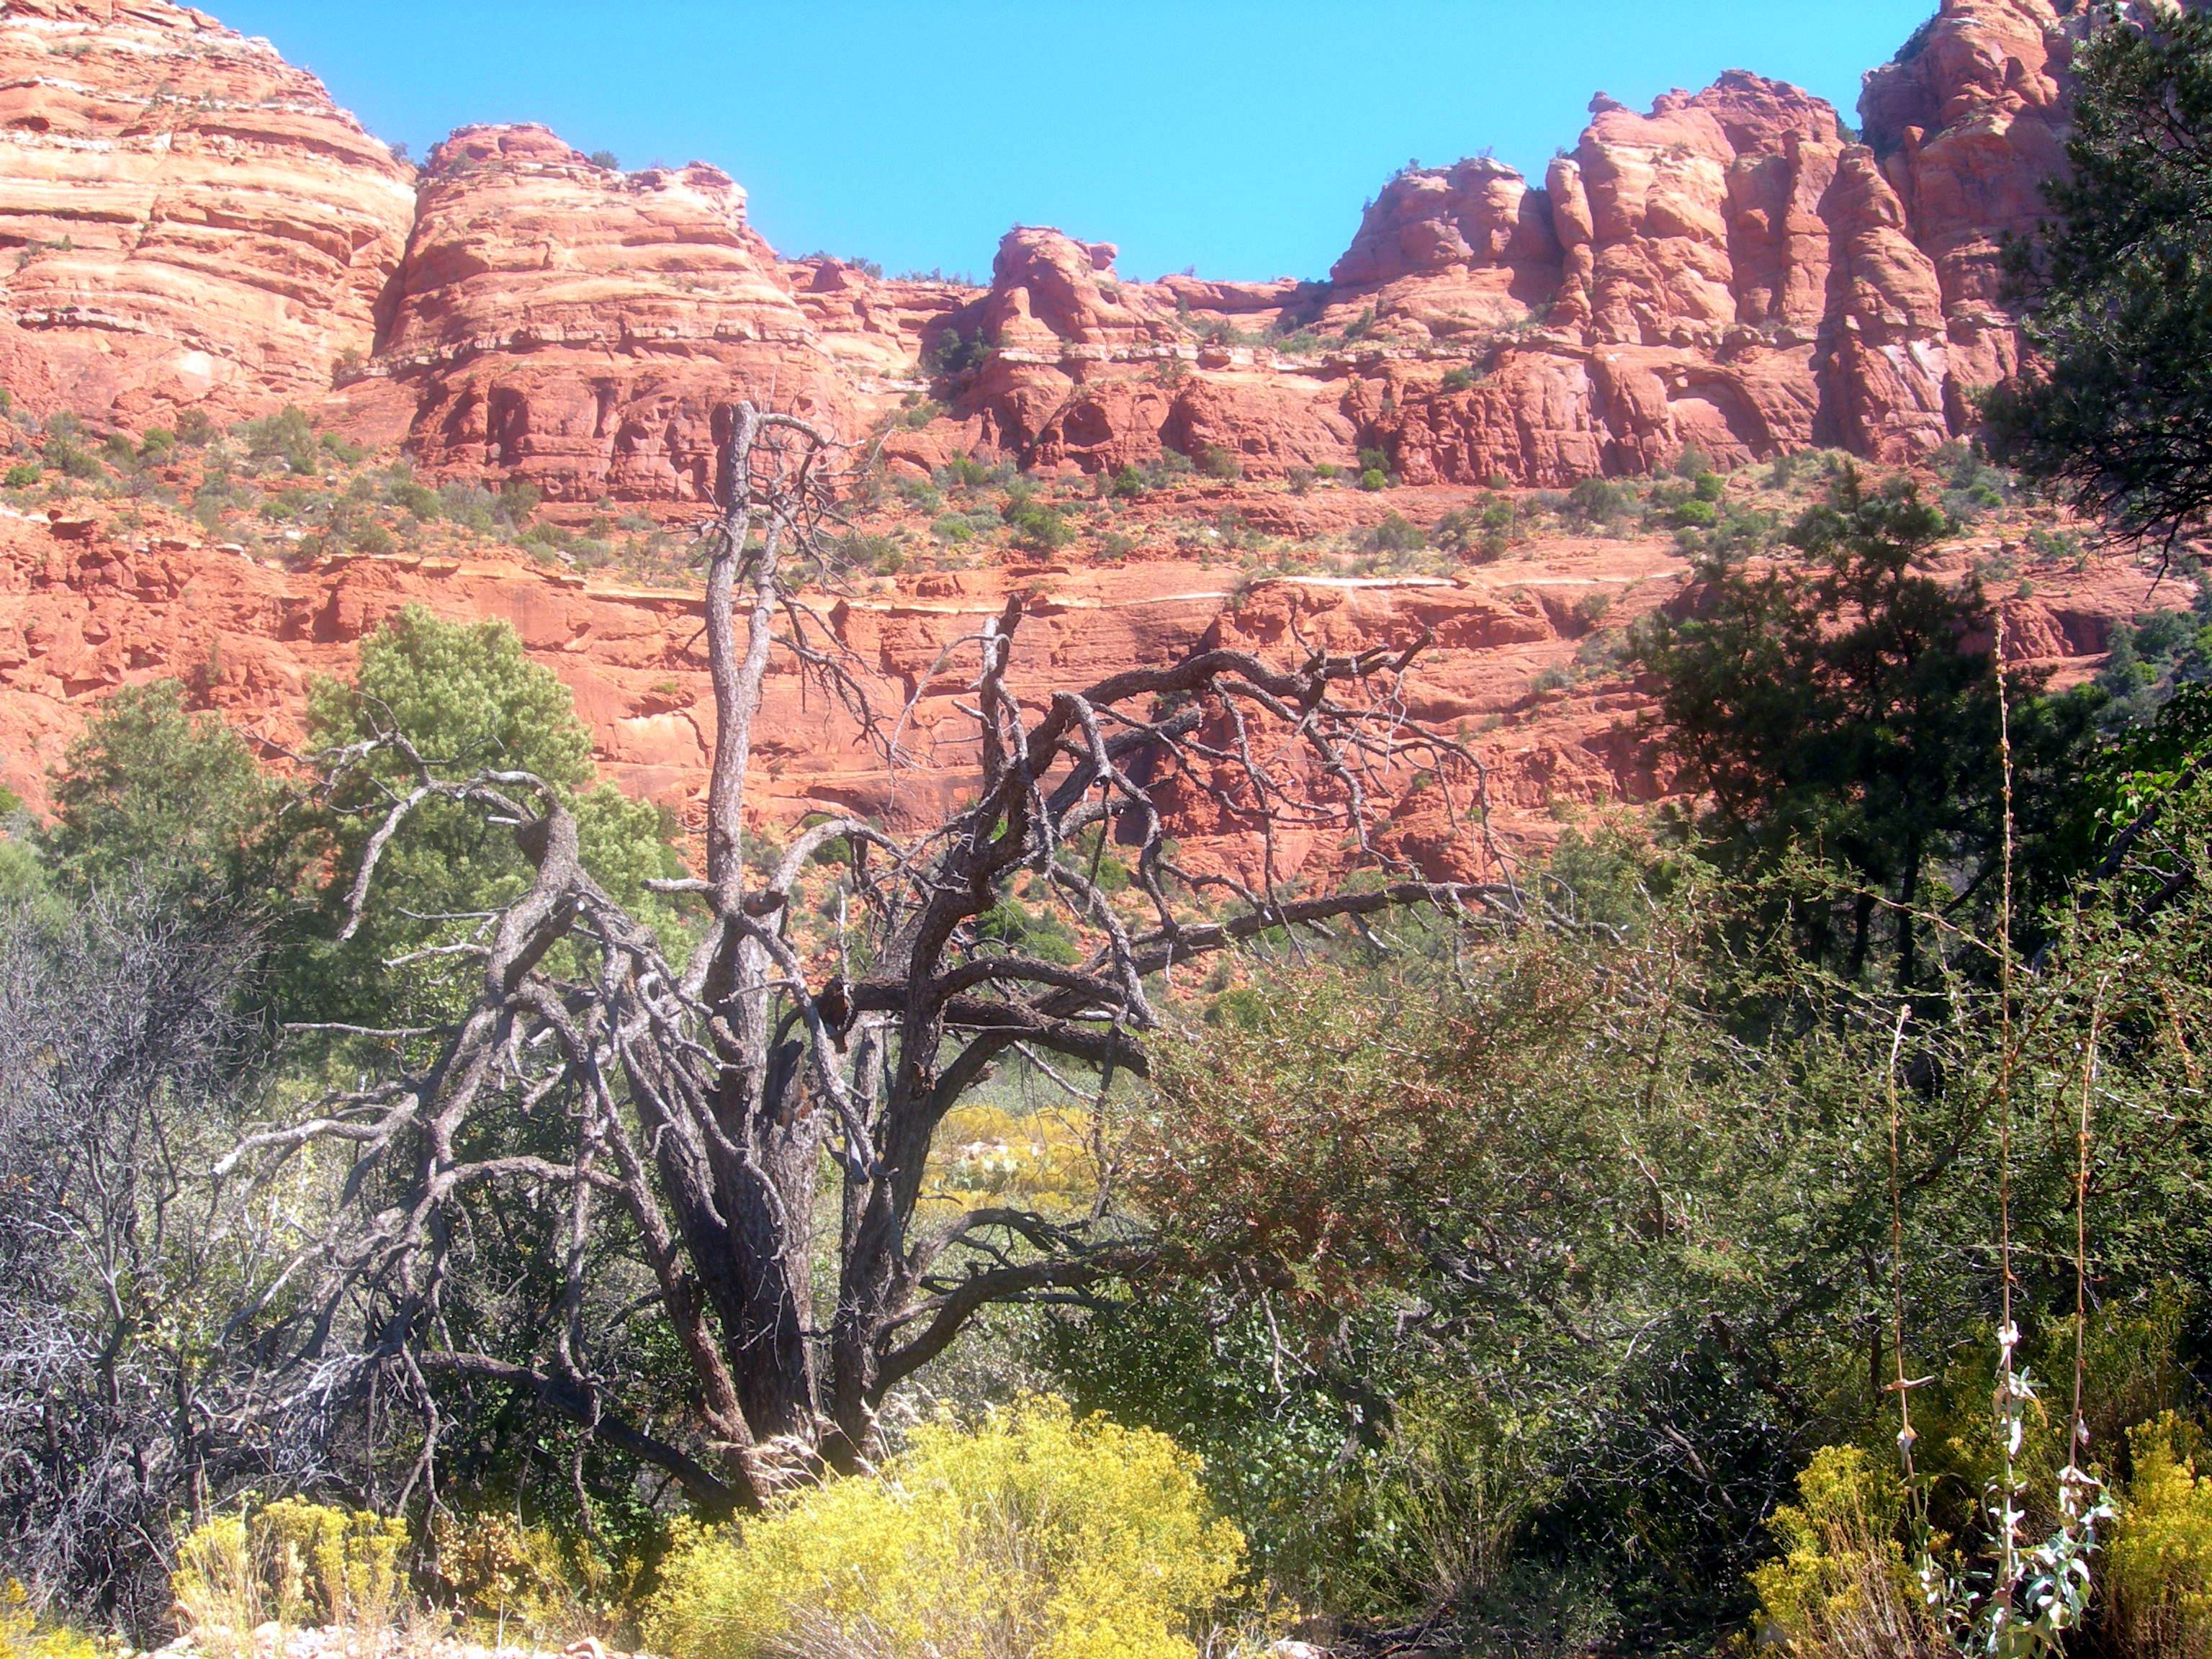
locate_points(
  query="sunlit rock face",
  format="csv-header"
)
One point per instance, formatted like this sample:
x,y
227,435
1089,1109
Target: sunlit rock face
x,y
191,221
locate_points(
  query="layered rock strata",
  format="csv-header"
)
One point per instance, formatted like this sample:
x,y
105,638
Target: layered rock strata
x,y
194,222
186,219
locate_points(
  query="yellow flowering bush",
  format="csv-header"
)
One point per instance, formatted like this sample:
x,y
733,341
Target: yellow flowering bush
x,y
2159,1568
294,1563
1840,1588
1036,1536
24,1636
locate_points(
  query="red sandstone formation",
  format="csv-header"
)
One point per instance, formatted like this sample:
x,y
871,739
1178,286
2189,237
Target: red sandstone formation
x,y
197,223
574,326
194,224
191,221
85,606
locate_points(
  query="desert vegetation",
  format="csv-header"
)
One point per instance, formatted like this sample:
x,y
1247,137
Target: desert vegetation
x,y
445,1200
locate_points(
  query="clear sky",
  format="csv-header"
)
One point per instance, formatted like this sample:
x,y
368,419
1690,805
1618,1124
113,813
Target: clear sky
x,y
1238,136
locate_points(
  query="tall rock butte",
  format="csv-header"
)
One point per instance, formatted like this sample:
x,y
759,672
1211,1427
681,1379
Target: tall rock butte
x,y
189,220
195,222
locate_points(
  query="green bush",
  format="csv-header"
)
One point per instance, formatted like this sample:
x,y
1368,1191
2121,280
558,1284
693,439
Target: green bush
x,y
1396,534
1374,478
1459,380
72,462
22,475
286,436
1216,462
1035,1534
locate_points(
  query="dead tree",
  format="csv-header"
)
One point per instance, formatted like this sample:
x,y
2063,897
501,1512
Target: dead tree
x,y
708,1097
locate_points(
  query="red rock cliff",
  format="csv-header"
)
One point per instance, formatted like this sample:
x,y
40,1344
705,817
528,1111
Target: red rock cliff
x,y
191,220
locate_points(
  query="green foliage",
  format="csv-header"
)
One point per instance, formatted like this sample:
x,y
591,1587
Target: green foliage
x,y
1599,501
71,461
1458,379
287,437
468,699
22,475
1396,534
1374,478
155,796
1035,1533
1829,703
1038,526
1222,464
957,350
2120,291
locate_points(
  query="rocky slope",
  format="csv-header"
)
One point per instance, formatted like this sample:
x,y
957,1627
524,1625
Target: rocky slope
x,y
1520,661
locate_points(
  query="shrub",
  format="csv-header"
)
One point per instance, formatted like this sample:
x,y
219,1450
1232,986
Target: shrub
x,y
1374,478
1037,527
295,1563
22,475
1035,1534
1692,463
1396,534
23,1636
1216,462
1841,1589
194,428
1597,501
286,436
71,461
2160,1564
1459,380
1711,486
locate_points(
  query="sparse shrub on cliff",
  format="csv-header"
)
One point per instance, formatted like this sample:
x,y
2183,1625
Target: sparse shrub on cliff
x,y
1692,463
954,354
966,472
1036,1534
1396,534
1038,526
1219,464
194,428
22,475
1374,478
286,437
1598,501
1459,380
71,461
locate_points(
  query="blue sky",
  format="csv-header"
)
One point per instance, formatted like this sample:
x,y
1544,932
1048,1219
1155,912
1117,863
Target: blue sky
x,y
1239,137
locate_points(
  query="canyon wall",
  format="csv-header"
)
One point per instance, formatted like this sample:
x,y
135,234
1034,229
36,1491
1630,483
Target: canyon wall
x,y
195,223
